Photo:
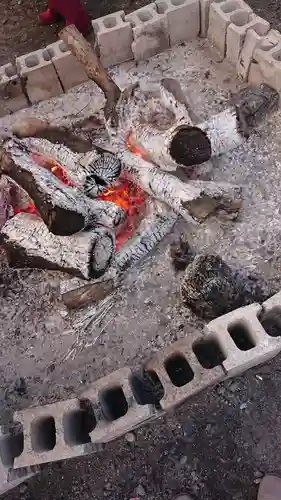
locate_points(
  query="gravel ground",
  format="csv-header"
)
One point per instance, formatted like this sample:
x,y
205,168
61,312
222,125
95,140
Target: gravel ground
x,y
221,442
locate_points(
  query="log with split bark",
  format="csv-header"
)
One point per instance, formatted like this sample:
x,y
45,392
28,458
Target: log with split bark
x,y
157,224
28,243
183,143
64,209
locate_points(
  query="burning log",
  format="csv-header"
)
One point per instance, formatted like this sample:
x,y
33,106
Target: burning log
x,y
28,243
193,199
211,288
152,230
64,209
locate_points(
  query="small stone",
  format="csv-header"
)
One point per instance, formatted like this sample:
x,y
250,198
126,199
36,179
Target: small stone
x,y
148,302
183,460
257,481
140,491
243,406
130,437
234,386
258,474
23,487
20,386
50,368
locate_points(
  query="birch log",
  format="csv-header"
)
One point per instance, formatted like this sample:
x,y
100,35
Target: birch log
x,y
64,209
156,225
28,243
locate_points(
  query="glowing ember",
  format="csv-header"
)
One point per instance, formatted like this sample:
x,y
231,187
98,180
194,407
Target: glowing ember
x,y
136,149
124,193
132,199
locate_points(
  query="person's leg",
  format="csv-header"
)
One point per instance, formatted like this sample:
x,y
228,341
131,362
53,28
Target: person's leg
x,y
72,11
270,488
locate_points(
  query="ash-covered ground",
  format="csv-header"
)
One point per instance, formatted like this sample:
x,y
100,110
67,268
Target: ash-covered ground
x,y
221,442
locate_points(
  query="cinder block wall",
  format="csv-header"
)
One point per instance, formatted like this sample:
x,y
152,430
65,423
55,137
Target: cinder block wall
x,y
231,26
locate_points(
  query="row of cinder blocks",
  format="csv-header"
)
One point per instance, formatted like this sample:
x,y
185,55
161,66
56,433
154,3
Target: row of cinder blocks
x,y
246,41
139,35
124,400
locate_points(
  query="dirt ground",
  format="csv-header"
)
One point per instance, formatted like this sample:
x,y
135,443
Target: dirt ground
x,y
220,443
20,32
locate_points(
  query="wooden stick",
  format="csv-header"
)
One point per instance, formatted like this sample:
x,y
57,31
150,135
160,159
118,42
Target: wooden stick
x,y
85,53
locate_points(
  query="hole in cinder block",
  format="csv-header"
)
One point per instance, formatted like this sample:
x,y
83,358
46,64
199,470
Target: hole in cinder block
x,y
63,47
267,45
32,61
241,336
177,2
240,18
47,55
43,434
78,424
277,55
113,403
10,71
147,388
162,7
110,22
260,29
144,16
51,52
230,7
11,445
208,353
179,370
271,322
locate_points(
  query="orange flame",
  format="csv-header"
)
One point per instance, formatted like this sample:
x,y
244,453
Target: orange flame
x,y
124,193
132,199
136,149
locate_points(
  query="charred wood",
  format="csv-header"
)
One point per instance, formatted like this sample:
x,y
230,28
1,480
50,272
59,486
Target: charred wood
x,y
28,243
211,288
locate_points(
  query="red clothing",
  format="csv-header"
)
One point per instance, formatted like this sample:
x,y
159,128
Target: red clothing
x,y
71,10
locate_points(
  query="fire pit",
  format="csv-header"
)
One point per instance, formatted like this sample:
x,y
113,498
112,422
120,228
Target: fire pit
x,y
93,212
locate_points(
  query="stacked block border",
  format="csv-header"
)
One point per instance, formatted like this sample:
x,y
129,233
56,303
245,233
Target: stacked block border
x,y
238,35
124,400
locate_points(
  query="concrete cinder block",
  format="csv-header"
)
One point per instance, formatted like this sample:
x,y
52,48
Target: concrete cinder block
x,y
50,433
42,79
183,18
274,303
10,477
12,97
251,42
268,58
180,372
219,20
114,36
150,32
241,22
115,407
69,70
243,339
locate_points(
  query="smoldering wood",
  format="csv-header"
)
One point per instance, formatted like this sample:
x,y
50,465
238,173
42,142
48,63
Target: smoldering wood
x,y
85,53
64,209
211,288
28,243
152,230
193,199
35,127
85,294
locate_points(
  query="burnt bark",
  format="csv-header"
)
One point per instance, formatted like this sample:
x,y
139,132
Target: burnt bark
x,y
211,288
64,209
28,243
